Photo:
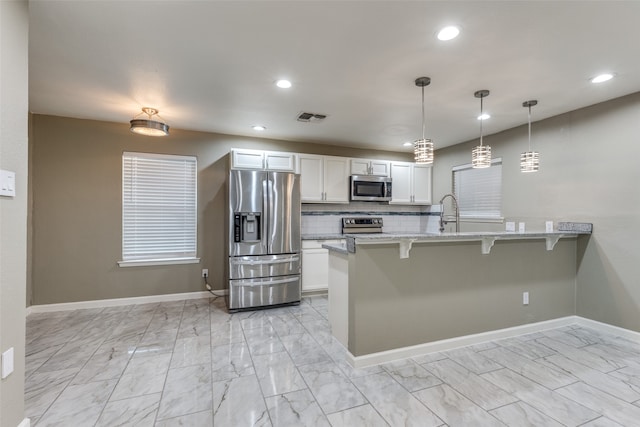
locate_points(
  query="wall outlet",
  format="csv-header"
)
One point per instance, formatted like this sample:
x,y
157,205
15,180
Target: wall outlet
x,y
521,227
7,363
205,272
525,298
548,226
510,226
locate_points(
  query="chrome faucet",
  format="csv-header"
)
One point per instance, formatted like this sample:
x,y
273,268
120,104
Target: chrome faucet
x,y
456,211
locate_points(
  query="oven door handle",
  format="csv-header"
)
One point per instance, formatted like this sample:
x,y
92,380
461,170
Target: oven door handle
x,y
264,262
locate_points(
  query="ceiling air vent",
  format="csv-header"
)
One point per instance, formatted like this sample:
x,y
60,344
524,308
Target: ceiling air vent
x,y
311,117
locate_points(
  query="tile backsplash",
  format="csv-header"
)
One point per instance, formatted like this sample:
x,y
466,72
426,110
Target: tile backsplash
x,y
327,219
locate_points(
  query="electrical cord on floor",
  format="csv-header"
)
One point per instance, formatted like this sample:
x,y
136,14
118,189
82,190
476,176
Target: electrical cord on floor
x,y
206,284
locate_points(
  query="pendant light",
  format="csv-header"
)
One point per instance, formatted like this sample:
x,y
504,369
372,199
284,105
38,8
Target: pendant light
x,y
481,155
148,126
423,148
529,160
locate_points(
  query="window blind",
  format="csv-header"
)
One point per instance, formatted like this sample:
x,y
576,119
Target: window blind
x,y
159,207
479,191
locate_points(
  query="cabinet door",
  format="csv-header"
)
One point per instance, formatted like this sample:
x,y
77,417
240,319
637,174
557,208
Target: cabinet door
x,y
421,184
315,269
336,180
401,190
247,159
359,167
379,168
311,178
276,161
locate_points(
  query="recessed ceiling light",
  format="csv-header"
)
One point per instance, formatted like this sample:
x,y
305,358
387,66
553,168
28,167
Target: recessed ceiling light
x,y
602,78
283,84
408,144
484,116
259,128
448,33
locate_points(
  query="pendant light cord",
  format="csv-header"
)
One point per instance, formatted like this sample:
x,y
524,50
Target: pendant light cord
x,y
481,119
529,127
423,113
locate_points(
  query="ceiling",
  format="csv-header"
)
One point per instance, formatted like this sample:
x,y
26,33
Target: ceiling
x,y
211,65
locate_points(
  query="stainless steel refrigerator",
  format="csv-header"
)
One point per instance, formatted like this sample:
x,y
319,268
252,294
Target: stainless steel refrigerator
x,y
264,239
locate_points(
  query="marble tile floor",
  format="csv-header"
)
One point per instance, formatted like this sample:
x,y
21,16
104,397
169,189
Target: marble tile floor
x,y
190,363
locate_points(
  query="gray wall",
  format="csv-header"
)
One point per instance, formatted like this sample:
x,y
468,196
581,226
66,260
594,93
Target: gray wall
x,y
588,172
14,28
446,290
76,175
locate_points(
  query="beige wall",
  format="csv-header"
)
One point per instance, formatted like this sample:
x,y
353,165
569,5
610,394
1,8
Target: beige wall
x,y
589,172
447,290
13,210
77,207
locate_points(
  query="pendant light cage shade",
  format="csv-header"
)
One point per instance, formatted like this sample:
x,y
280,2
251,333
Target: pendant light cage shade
x,y
529,161
423,148
423,151
148,126
481,157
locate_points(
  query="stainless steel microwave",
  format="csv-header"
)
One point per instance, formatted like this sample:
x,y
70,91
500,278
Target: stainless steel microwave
x,y
370,188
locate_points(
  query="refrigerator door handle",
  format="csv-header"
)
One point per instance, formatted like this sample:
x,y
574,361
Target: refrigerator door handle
x,y
267,282
263,262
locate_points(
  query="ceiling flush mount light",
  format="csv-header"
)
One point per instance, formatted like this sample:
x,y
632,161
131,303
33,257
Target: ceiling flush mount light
x,y
484,116
283,84
448,33
481,155
259,128
529,160
148,126
423,148
408,144
602,78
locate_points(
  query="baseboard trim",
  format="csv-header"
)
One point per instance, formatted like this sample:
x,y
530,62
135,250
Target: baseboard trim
x,y
46,308
611,329
25,423
451,343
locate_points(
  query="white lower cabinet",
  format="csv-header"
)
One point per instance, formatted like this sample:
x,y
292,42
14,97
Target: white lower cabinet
x,y
315,265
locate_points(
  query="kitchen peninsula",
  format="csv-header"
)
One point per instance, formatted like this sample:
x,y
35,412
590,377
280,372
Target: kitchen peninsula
x,y
398,295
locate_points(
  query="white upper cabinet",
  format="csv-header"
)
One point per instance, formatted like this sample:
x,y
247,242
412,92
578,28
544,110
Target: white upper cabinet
x,y
277,161
263,160
323,179
411,183
370,167
247,159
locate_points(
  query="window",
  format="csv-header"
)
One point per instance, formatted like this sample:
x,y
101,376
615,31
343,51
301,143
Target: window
x,y
159,209
479,191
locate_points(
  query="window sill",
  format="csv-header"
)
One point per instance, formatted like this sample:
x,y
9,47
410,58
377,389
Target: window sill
x,y
151,262
495,220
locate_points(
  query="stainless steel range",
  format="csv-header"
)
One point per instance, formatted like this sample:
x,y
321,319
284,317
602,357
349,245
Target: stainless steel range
x,y
361,225
264,239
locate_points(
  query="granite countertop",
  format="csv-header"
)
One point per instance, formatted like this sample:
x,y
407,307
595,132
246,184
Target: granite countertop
x,y
487,238
325,236
340,248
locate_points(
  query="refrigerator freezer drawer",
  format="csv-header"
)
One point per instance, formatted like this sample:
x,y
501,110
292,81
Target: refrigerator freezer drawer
x,y
247,267
248,293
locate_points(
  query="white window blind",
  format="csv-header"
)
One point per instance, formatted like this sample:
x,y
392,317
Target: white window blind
x,y
159,200
479,191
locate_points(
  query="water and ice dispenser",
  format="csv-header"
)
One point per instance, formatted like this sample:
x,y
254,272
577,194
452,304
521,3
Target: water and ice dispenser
x,y
247,227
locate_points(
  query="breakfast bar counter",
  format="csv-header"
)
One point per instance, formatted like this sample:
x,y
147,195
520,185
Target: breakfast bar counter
x,y
392,295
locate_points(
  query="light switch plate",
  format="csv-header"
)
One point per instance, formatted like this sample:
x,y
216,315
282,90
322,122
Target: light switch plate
x,y
7,183
511,226
7,363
